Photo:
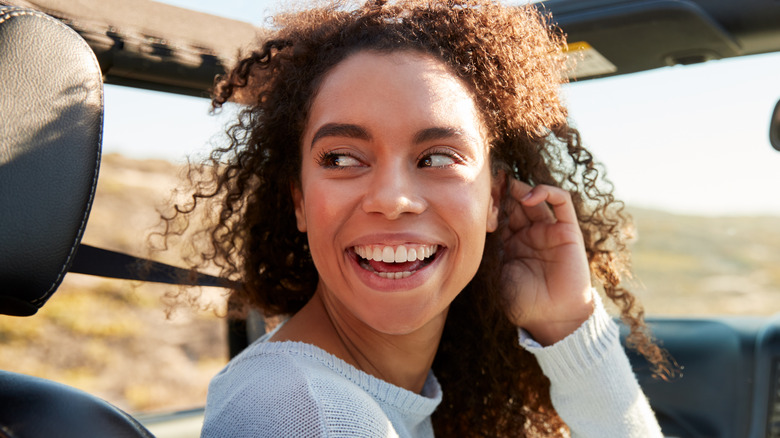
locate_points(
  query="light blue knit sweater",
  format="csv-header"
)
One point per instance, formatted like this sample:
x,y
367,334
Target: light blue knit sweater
x,y
293,389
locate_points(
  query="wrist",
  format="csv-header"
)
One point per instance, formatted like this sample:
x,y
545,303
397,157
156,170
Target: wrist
x,y
550,331
579,352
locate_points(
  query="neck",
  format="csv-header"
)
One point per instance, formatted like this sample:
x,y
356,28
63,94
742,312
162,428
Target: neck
x,y
402,360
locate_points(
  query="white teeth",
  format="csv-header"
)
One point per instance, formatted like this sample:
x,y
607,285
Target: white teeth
x,y
394,275
398,254
388,255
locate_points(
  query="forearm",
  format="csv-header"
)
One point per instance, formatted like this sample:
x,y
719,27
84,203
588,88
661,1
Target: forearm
x,y
592,386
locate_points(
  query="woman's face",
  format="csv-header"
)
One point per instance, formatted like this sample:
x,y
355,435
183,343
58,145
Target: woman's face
x,y
396,193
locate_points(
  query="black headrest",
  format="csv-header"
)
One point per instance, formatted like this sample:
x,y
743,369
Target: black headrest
x,y
50,135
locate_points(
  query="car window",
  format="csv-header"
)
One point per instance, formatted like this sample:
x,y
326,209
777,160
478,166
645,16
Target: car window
x,y
688,150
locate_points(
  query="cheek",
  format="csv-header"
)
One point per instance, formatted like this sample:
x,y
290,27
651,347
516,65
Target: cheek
x,y
318,219
466,210
326,208
324,205
473,205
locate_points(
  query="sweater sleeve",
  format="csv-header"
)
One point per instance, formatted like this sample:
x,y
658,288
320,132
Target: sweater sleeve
x,y
592,386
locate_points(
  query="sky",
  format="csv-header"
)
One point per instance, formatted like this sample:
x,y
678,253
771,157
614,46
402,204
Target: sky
x,y
688,140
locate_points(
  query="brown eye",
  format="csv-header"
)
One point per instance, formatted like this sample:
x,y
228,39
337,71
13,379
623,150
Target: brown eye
x,y
437,160
336,160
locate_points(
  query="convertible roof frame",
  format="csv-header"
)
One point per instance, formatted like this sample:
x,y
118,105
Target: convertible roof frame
x,y
152,45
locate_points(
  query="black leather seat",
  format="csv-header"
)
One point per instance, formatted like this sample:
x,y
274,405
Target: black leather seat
x,y
50,131
51,106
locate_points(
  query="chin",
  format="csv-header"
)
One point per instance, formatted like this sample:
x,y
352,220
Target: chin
x,y
400,323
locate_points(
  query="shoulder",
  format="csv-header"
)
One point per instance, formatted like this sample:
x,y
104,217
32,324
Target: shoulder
x,y
284,389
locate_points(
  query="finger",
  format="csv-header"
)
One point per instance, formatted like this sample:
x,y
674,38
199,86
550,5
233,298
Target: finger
x,y
558,199
538,212
518,189
518,219
515,211
520,245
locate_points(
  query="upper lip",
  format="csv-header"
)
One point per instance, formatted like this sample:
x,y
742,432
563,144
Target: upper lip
x,y
394,240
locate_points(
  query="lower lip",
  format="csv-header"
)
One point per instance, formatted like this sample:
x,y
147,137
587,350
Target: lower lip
x,y
381,284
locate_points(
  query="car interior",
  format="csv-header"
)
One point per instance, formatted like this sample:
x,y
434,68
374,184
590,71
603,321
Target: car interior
x,y
55,56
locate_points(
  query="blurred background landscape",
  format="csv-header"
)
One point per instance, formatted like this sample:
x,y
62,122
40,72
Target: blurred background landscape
x,y
114,339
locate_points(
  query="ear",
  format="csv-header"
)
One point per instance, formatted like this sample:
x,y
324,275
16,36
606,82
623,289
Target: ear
x,y
300,212
497,186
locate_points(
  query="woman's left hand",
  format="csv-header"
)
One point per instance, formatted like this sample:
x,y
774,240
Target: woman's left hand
x,y
546,278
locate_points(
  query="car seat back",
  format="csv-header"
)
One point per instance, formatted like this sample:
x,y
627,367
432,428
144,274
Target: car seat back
x,y
51,109
50,137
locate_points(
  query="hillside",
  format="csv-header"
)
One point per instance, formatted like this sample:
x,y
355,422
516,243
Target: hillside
x,y
113,338
692,265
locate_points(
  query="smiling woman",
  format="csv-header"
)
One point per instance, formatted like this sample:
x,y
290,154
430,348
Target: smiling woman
x,y
390,198
396,187
398,114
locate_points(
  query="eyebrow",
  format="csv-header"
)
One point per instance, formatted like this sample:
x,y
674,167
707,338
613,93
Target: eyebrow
x,y
340,130
356,131
438,133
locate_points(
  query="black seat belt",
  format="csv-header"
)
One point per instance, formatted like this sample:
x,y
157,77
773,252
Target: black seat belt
x,y
106,263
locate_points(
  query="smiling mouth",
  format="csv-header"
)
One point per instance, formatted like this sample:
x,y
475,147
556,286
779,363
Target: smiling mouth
x,y
395,262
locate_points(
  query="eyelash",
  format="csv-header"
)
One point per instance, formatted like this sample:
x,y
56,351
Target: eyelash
x,y
327,159
456,158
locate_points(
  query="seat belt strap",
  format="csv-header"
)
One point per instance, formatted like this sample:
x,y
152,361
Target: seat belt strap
x,y
111,264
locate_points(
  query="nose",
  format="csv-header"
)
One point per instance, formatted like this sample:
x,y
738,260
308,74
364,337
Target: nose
x,y
394,191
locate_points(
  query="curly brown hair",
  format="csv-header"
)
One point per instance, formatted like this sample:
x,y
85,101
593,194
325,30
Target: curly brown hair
x,y
512,58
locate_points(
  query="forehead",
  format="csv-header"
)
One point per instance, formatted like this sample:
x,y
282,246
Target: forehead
x,y
405,88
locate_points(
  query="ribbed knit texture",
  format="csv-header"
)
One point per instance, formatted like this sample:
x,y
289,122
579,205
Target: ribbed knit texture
x,y
592,385
293,389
